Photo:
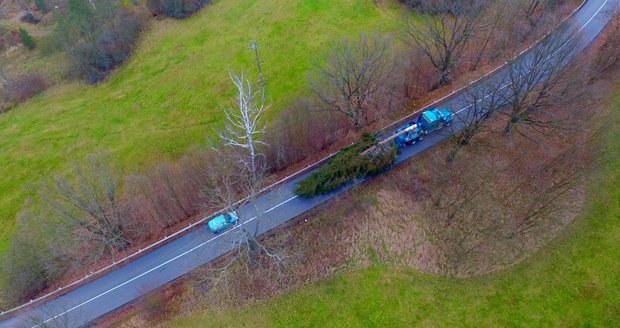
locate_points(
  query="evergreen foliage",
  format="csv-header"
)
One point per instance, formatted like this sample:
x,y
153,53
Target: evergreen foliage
x,y
27,40
347,165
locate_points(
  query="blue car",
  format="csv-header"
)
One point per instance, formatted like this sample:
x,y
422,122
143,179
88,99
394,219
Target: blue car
x,y
222,222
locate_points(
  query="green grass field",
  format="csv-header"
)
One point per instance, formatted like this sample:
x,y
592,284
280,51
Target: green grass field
x,y
573,282
169,95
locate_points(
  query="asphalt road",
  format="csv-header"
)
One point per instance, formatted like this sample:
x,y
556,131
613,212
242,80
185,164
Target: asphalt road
x,y
123,285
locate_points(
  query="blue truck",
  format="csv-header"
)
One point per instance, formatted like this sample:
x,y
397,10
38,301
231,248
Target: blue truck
x,y
222,222
413,131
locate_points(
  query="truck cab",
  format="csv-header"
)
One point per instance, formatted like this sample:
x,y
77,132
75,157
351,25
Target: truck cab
x,y
433,119
222,222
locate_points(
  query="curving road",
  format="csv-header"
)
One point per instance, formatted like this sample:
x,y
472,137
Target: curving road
x,y
123,285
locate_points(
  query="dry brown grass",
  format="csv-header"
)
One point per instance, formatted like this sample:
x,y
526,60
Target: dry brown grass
x,y
404,217
409,216
394,219
397,219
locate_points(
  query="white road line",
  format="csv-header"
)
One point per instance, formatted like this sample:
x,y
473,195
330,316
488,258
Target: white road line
x,y
228,231
284,202
564,45
595,14
267,188
163,264
479,100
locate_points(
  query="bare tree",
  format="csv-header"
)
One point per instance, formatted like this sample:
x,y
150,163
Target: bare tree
x,y
165,195
351,80
535,10
606,49
527,17
248,250
492,205
445,33
540,81
59,316
236,174
483,101
244,127
482,43
88,206
224,186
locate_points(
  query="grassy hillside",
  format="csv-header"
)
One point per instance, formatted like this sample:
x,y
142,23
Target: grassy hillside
x,y
170,93
572,282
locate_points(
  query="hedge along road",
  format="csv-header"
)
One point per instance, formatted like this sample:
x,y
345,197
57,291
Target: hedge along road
x,y
198,247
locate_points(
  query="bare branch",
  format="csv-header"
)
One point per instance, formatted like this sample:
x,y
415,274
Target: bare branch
x,y
244,127
539,82
444,34
483,101
352,79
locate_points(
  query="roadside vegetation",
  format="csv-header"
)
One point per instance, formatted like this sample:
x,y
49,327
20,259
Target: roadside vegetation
x,y
350,163
452,219
140,114
570,282
143,108
96,36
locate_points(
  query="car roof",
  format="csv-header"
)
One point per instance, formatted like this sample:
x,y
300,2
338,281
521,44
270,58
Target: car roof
x,y
430,115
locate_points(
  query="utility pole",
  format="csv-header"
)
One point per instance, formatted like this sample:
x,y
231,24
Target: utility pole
x,y
254,46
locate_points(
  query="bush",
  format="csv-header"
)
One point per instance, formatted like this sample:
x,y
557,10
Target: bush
x,y
23,87
24,273
175,8
28,267
50,44
171,192
299,133
111,35
429,6
26,39
347,165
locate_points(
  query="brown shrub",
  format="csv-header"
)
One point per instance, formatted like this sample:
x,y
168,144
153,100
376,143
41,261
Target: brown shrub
x,y
175,8
171,192
299,133
23,87
607,57
498,203
488,209
418,74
